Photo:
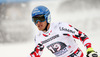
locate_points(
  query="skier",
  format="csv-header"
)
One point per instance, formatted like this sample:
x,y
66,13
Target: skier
x,y
59,37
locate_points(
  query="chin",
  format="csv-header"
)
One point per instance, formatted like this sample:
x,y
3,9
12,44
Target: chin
x,y
41,29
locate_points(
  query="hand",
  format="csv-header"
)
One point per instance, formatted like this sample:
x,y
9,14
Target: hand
x,y
40,46
91,53
38,50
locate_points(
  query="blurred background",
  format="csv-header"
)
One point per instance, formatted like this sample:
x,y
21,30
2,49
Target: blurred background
x,y
17,30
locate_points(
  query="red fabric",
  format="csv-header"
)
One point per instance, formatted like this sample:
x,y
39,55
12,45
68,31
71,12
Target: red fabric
x,y
47,35
68,34
76,51
85,39
81,55
80,39
79,32
31,55
88,45
75,37
35,54
78,55
37,50
44,35
70,25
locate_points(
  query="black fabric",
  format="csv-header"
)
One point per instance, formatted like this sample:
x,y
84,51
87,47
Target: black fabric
x,y
46,26
74,54
78,35
84,37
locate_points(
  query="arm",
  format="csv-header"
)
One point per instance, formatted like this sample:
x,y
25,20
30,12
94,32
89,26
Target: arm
x,y
85,40
38,48
77,34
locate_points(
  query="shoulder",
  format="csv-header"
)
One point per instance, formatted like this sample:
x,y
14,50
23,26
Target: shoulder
x,y
54,25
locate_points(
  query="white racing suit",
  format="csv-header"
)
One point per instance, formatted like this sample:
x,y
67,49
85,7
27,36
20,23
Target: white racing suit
x,y
60,40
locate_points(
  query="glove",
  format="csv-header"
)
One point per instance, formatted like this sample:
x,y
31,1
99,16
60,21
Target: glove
x,y
40,47
91,53
38,50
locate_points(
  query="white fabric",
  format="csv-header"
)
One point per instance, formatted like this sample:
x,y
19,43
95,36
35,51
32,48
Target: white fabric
x,y
61,45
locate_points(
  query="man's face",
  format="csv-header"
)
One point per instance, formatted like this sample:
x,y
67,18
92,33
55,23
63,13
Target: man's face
x,y
40,22
41,25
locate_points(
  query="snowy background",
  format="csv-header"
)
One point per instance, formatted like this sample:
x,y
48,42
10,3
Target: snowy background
x,y
17,30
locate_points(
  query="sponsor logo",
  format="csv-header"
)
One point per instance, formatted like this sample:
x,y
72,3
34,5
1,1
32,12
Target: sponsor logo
x,y
65,29
52,38
61,52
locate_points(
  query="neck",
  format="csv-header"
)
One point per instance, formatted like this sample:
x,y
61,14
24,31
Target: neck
x,y
47,28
